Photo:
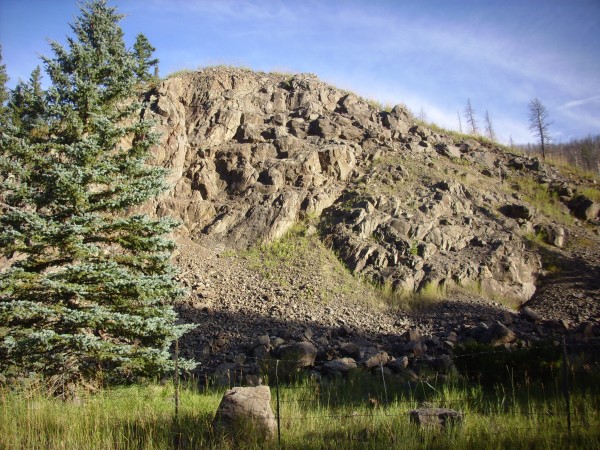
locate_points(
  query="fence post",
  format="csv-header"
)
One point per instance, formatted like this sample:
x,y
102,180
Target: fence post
x,y
176,381
384,386
565,364
278,409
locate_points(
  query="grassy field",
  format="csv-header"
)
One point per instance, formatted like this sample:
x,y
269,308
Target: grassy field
x,y
354,412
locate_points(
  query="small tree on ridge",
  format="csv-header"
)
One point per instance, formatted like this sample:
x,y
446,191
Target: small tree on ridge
x,y
539,123
471,120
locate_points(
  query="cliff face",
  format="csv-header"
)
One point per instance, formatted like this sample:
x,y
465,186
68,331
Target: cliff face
x,y
252,153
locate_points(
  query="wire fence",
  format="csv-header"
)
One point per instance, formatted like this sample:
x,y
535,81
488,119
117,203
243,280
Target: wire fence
x,y
386,402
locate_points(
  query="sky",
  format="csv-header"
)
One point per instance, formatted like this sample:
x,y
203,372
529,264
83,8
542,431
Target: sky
x,y
430,55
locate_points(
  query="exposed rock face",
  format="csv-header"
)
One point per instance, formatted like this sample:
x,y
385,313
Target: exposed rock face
x,y
252,153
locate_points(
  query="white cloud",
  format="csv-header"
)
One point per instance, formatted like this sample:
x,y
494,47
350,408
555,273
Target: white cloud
x,y
581,102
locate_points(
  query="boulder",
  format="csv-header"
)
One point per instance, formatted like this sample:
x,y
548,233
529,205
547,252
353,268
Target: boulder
x,y
515,211
530,314
498,334
375,359
350,349
437,418
584,208
449,151
246,407
340,365
301,354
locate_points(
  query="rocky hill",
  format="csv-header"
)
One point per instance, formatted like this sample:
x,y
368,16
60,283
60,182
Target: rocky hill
x,y
284,182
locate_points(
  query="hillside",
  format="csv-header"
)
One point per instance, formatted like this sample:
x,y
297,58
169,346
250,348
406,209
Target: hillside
x,y
315,223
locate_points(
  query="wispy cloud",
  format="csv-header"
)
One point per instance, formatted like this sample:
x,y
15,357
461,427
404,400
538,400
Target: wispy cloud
x,y
582,102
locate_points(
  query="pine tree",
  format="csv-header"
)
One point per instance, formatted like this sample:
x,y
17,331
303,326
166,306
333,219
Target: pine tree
x,y
470,116
144,62
91,287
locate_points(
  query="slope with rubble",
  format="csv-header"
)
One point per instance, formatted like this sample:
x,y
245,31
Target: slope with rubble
x,y
400,205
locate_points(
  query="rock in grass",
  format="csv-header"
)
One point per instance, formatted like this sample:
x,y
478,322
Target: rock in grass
x,y
435,417
584,208
244,409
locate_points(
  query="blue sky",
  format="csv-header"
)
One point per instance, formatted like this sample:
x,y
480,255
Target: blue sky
x,y
430,55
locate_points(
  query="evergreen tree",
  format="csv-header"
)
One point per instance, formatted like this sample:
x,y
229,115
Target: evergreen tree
x,y
91,287
27,105
144,62
3,90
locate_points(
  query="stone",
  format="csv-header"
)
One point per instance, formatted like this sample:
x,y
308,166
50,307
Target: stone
x,y
516,211
246,407
437,418
341,365
350,349
449,150
398,364
556,235
263,340
498,334
417,348
584,208
530,314
375,359
301,354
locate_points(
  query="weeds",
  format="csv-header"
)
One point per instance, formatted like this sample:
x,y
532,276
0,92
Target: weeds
x,y
522,407
542,199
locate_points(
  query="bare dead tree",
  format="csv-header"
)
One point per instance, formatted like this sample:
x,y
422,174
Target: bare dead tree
x,y
489,129
459,122
470,116
539,123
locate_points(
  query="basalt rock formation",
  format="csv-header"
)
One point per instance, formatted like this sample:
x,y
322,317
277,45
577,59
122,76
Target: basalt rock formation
x,y
253,153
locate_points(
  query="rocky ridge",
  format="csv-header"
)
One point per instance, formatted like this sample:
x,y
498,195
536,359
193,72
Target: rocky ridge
x,y
403,205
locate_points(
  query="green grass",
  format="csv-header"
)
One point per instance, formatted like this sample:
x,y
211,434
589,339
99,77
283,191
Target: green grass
x,y
519,412
268,258
569,169
539,197
591,193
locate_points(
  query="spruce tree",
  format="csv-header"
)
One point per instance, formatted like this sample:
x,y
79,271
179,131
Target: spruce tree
x,y
143,51
90,288
27,106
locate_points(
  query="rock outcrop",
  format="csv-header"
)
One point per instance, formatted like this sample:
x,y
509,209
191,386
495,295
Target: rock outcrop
x,y
251,154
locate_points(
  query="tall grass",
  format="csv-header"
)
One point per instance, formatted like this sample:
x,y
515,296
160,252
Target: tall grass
x,y
356,411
